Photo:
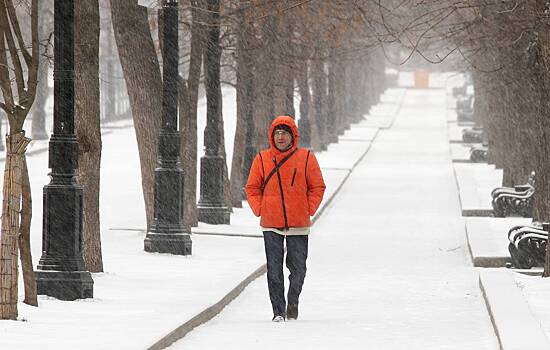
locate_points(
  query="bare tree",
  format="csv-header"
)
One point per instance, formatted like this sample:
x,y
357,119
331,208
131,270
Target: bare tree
x,y
141,70
18,79
88,131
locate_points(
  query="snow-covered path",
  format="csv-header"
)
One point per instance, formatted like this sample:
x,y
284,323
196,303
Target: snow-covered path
x,y
388,265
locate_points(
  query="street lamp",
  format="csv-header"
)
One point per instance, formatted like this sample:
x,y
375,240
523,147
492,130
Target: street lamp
x,y
167,234
61,272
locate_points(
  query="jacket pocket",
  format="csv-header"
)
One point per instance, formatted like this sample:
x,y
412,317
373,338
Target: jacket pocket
x,y
293,177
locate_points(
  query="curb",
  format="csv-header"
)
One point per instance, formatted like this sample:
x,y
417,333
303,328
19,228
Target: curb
x,y
481,260
460,160
503,298
215,309
207,314
469,212
477,212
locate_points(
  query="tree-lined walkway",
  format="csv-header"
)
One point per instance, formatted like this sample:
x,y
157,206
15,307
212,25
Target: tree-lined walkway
x,y
388,265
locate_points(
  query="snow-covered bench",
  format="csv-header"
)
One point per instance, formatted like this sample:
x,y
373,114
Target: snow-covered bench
x,y
478,154
518,188
519,203
465,109
460,90
472,135
528,245
514,201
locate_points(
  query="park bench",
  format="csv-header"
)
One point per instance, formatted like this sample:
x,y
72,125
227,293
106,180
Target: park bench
x,y
527,245
460,90
516,189
478,154
465,109
518,203
463,102
473,135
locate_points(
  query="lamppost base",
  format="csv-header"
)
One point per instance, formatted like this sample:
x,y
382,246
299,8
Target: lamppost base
x,y
171,243
213,215
65,285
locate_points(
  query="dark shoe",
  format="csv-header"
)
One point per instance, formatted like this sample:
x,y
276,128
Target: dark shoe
x,y
292,311
278,318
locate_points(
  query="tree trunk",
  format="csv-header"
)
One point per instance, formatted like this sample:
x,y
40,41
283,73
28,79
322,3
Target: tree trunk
x,y
188,120
332,108
246,65
319,91
281,64
263,103
29,279
308,126
38,126
226,182
244,81
87,125
16,145
542,180
143,81
263,85
240,137
340,73
17,107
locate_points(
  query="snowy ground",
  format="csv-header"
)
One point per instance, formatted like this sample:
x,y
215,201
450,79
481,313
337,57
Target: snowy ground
x,y
535,290
388,265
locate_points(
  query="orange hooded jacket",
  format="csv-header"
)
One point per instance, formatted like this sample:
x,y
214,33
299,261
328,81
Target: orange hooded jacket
x,y
294,192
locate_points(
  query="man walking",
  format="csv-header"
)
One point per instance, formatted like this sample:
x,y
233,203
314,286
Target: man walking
x,y
285,187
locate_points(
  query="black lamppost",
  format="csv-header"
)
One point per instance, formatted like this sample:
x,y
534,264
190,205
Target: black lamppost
x,y
167,234
61,272
211,208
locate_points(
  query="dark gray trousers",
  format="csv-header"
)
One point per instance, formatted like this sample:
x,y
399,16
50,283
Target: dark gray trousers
x,y
296,256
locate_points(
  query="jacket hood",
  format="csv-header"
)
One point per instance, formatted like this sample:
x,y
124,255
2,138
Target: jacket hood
x,y
285,120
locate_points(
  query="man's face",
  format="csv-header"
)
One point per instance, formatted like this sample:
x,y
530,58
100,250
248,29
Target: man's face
x,y
282,139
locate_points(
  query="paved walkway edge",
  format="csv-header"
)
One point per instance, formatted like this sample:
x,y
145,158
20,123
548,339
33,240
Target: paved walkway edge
x,y
480,260
514,324
207,314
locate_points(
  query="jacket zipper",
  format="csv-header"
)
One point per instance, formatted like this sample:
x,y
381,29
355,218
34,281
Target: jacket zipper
x,y
282,194
293,177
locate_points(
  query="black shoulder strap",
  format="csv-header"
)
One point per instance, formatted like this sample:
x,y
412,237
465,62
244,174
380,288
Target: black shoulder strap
x,y
307,160
262,161
277,166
